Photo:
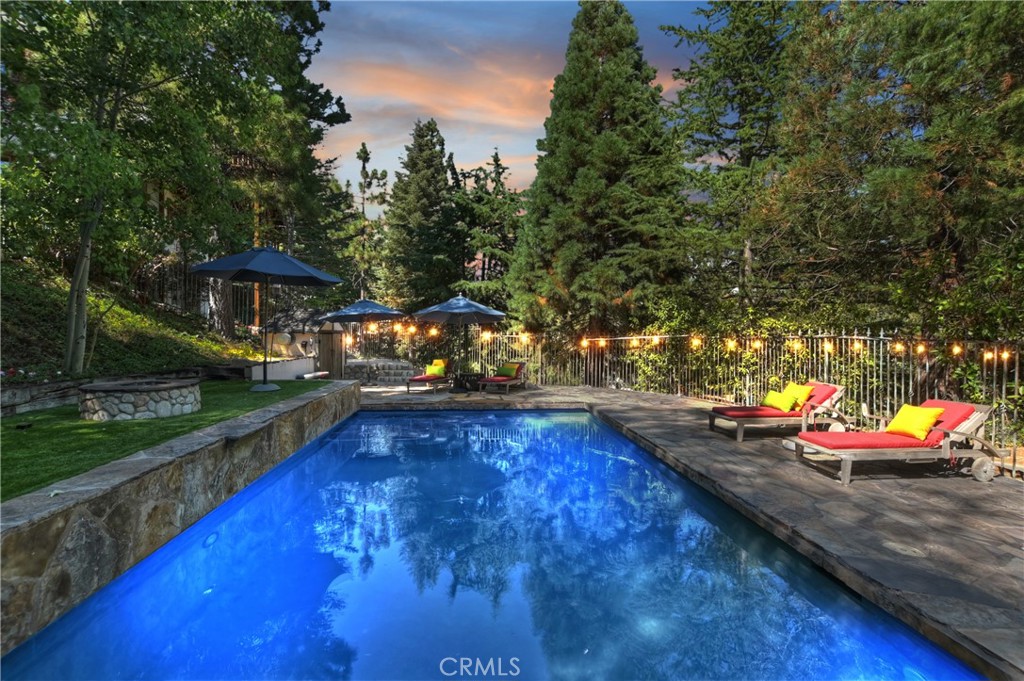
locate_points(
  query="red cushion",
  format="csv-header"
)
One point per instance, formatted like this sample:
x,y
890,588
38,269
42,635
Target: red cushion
x,y
855,440
821,392
754,412
955,413
425,378
497,379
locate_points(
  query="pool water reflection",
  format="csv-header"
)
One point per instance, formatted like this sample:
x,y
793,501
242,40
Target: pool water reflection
x,y
516,544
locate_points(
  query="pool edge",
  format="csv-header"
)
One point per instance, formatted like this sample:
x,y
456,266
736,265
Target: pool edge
x,y
66,541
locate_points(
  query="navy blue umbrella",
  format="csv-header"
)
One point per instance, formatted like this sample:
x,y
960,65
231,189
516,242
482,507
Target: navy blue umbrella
x,y
363,311
459,310
265,266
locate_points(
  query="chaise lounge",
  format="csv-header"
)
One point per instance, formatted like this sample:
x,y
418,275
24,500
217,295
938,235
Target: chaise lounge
x,y
820,404
508,375
954,433
434,376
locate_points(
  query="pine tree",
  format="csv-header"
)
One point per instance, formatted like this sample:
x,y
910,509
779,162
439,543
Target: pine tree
x,y
604,169
491,211
425,251
728,114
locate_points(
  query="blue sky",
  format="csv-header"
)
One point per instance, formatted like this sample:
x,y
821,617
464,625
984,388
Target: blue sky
x,y
483,70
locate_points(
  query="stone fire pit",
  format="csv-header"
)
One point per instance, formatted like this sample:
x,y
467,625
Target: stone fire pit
x,y
142,399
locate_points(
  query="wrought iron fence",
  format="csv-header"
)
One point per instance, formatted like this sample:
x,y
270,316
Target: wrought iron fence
x,y
882,371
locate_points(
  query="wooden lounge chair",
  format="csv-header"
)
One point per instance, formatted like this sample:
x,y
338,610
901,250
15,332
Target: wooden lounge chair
x,y
957,434
518,377
430,380
819,408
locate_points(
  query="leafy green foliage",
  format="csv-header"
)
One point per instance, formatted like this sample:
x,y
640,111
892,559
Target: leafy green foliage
x,y
132,338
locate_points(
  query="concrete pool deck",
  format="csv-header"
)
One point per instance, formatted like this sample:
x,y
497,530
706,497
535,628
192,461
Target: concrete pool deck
x,y
940,551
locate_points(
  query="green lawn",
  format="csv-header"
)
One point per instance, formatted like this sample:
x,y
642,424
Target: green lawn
x,y
58,445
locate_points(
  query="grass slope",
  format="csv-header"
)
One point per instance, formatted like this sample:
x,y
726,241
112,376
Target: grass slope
x,y
57,444
132,338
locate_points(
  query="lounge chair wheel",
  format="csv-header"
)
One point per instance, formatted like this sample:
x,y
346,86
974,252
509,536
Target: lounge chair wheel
x,y
983,469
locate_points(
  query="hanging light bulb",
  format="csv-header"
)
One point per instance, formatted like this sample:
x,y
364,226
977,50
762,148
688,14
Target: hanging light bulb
x,y
828,347
989,355
373,327
486,336
524,338
957,350
898,347
411,330
398,327
433,331
695,342
730,344
584,343
601,342
921,348
797,345
634,342
348,340
857,346
757,344
1006,355
655,340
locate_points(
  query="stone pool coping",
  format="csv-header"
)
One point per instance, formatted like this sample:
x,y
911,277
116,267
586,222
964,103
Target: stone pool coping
x,y
64,542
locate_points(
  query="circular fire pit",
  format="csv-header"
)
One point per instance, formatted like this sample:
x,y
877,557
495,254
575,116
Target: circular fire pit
x,y
142,399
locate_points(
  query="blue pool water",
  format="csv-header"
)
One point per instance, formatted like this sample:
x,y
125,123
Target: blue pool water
x,y
440,545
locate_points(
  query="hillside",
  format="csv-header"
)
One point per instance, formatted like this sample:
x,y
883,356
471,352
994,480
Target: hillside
x,y
132,338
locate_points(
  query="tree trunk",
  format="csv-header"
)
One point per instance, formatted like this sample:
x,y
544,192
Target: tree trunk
x,y
77,310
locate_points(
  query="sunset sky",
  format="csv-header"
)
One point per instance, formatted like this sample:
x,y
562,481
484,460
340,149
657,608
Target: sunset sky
x,y
483,70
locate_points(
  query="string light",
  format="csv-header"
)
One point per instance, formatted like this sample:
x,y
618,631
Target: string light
x,y
1005,355
373,328
486,336
656,340
398,328
797,345
524,338
857,346
634,342
730,344
956,350
695,342
921,348
584,343
757,344
989,355
348,340
898,347
601,342
411,330
433,332
829,347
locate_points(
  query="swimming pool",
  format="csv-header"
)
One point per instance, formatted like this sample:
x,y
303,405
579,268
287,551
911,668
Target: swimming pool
x,y
433,545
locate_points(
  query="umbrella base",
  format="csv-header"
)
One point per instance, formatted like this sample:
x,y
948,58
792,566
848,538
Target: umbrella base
x,y
264,388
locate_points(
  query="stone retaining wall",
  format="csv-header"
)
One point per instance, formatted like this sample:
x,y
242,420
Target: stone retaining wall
x,y
126,401
63,543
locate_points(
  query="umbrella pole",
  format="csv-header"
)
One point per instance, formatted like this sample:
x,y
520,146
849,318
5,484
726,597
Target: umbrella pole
x,y
264,386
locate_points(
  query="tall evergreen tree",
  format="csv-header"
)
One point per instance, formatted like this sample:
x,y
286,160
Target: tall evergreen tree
x,y
728,114
425,249
491,211
604,169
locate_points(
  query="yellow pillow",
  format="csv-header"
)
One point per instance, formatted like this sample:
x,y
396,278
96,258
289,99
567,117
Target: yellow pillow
x,y
780,401
434,370
439,362
799,393
914,421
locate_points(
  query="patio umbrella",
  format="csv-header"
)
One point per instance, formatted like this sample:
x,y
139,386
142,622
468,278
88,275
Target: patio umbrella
x,y
358,312
459,310
266,266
